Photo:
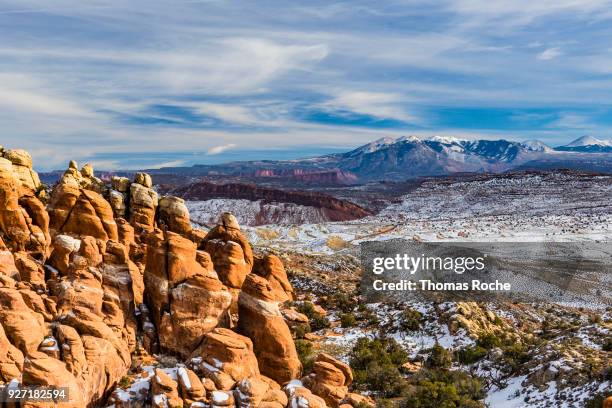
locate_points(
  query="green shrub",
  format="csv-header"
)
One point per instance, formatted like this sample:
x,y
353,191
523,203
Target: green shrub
x,y
369,317
301,329
439,357
341,301
348,320
125,382
410,320
488,341
381,403
470,354
376,366
515,355
607,346
317,320
305,354
444,389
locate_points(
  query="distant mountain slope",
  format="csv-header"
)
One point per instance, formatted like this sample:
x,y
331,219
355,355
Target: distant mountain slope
x,y
587,144
410,157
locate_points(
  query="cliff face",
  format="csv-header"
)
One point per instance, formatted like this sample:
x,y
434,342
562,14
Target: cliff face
x,y
329,177
332,209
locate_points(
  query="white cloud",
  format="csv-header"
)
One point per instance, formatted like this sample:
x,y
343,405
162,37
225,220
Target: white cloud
x,y
550,53
227,113
521,12
377,104
235,65
220,149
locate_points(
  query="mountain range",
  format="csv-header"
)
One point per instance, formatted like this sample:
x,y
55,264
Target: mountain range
x,y
408,157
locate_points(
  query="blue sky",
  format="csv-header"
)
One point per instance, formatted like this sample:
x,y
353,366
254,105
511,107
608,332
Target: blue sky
x,y
150,83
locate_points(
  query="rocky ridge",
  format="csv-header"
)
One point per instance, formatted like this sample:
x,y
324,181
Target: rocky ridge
x,y
95,278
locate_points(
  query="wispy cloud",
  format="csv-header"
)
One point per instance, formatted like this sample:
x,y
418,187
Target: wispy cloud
x,y
380,105
144,77
550,53
219,149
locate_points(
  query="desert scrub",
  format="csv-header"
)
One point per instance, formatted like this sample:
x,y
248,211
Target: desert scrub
x,y
367,316
300,330
305,354
376,365
488,341
410,319
340,301
124,382
317,320
435,388
439,357
470,354
347,320
607,346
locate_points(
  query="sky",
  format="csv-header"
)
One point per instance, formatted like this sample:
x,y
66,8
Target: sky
x,y
133,84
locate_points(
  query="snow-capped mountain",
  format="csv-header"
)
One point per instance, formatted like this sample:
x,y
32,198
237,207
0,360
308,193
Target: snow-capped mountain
x,y
410,156
375,145
588,141
587,144
537,146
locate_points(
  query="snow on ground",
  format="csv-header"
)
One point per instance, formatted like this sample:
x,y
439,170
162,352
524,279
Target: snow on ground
x,y
524,209
516,395
253,212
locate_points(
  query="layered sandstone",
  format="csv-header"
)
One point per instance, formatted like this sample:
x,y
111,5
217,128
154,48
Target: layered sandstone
x,y
261,320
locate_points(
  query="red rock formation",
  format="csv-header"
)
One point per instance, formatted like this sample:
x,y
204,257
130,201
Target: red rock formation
x,y
329,380
226,358
230,251
261,320
143,203
332,208
271,268
79,287
174,215
23,221
186,300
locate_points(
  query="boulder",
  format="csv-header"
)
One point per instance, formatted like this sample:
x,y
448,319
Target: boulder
x,y
164,390
271,268
120,184
301,397
226,358
329,380
230,251
79,211
191,388
42,370
143,203
22,168
23,327
261,320
23,221
174,215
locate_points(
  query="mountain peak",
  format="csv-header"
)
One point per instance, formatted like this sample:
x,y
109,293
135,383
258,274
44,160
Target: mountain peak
x,y
375,145
410,138
536,146
445,139
588,141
